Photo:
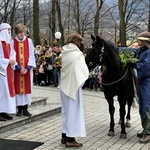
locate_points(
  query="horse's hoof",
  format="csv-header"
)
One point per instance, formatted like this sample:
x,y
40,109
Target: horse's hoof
x,y
111,133
123,136
128,125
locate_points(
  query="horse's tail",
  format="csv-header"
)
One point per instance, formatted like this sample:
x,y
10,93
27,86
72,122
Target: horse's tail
x,y
135,88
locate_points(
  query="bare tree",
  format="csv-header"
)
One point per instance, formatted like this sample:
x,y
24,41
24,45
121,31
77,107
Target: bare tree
x,y
36,22
8,11
149,18
53,18
99,4
122,11
133,18
78,16
60,20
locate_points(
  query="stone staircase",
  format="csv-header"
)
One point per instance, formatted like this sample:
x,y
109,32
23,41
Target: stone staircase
x,y
39,108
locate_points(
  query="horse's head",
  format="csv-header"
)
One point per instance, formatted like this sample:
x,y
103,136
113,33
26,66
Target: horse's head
x,y
95,53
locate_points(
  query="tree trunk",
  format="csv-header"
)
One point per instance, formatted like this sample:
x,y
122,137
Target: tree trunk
x,y
149,19
61,30
96,23
78,17
53,18
122,23
13,14
36,22
99,4
69,5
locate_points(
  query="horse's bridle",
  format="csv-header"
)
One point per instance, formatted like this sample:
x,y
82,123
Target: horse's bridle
x,y
100,57
100,60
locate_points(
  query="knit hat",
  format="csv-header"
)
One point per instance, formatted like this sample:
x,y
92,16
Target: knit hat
x,y
144,37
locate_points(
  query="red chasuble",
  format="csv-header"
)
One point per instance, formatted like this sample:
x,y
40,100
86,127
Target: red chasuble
x,y
22,82
10,77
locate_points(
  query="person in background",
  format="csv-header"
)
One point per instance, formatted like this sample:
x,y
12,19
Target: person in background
x,y
56,65
7,62
24,70
36,69
49,66
93,79
42,72
143,74
37,49
74,73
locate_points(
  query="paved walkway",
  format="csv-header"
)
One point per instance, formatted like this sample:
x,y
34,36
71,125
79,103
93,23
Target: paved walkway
x,y
48,130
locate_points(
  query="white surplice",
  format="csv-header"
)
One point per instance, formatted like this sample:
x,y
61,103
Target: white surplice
x,y
7,103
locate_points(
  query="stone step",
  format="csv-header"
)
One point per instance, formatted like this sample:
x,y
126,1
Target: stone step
x,y
36,101
37,111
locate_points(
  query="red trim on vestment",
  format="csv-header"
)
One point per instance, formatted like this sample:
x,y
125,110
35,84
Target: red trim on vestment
x,y
10,77
22,82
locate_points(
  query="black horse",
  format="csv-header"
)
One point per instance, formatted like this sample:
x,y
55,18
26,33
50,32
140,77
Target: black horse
x,y
115,80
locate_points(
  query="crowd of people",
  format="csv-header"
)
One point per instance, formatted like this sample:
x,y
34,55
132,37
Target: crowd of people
x,y
48,65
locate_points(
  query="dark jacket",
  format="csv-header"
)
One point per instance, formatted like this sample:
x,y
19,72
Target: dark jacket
x,y
143,72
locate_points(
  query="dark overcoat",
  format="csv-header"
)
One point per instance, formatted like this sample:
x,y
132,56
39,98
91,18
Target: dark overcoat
x,y
143,72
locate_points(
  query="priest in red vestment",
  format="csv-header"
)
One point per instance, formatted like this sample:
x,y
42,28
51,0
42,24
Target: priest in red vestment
x,y
24,70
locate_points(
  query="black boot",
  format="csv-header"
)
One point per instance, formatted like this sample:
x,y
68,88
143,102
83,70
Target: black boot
x,y
25,111
2,118
63,139
5,115
20,111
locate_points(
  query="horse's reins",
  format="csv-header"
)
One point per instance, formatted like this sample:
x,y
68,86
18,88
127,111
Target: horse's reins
x,y
100,56
117,80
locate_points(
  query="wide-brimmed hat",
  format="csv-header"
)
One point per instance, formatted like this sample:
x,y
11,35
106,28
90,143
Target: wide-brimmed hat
x,y
144,37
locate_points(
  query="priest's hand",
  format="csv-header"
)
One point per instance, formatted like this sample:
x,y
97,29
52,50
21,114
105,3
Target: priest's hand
x,y
12,61
23,71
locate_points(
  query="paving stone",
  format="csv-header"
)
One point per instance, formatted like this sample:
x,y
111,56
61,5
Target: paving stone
x,y
48,129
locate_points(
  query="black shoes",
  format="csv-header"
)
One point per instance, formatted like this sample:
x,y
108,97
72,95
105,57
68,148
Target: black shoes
x,y
8,117
140,135
5,117
63,141
26,113
19,113
23,110
2,118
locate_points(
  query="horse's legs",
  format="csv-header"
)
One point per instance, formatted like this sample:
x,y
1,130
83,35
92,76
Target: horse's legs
x,y
111,112
128,116
129,103
122,116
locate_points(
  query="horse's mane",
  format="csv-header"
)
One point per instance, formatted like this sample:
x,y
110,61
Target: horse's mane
x,y
113,54
111,46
